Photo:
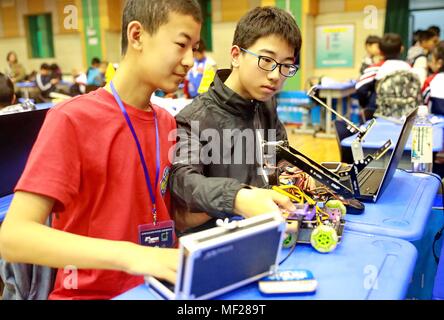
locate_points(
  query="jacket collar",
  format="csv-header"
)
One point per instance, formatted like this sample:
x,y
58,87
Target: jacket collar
x,y
230,100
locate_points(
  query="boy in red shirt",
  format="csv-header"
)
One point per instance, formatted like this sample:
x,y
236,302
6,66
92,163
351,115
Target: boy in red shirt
x,y
100,166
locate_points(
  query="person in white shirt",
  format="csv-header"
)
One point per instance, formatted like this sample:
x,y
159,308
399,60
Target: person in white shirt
x,y
373,52
433,92
391,48
417,55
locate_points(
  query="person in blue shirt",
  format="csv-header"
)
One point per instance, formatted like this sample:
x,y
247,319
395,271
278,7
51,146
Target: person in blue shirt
x,y
46,82
202,64
95,64
95,77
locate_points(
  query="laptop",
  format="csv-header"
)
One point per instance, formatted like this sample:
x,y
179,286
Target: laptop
x,y
373,181
18,132
224,258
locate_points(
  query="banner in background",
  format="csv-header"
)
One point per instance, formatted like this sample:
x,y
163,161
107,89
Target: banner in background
x,y
335,46
93,37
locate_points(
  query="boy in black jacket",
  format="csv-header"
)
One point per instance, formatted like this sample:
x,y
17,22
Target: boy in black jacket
x,y
218,165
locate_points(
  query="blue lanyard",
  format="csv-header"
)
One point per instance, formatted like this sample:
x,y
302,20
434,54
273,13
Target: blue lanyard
x,y
139,148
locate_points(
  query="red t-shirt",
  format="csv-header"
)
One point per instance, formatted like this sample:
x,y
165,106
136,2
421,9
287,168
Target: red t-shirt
x,y
86,159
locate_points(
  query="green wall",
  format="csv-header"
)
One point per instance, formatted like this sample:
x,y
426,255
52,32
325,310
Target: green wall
x,y
206,33
91,23
294,83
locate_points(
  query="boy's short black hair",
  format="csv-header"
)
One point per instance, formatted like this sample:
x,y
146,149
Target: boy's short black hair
x,y
391,46
6,91
45,66
438,53
372,40
415,37
265,21
154,13
95,60
435,30
425,35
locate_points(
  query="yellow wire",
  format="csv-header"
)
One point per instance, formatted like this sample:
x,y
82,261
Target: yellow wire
x,y
283,192
320,213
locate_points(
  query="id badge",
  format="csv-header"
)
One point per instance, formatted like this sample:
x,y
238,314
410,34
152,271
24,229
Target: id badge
x,y
161,235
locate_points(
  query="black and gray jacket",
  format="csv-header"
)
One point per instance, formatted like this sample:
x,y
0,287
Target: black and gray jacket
x,y
216,149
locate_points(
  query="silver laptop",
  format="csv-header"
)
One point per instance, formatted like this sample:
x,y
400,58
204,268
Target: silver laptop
x,y
224,258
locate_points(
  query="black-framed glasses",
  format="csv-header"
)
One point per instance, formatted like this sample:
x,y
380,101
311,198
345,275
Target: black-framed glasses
x,y
269,64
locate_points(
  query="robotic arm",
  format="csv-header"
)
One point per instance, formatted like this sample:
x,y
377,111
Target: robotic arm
x,y
358,153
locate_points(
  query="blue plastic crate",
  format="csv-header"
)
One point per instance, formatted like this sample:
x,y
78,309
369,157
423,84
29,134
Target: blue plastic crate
x,y
291,106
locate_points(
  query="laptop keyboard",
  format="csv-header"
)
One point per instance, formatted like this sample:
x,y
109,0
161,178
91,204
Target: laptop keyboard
x,y
369,180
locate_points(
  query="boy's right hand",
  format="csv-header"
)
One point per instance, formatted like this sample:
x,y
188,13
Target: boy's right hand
x,y
253,202
157,262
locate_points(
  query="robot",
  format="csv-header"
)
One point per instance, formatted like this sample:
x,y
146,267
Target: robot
x,y
320,224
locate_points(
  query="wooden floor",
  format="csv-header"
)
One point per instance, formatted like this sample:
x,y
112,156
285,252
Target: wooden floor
x,y
318,149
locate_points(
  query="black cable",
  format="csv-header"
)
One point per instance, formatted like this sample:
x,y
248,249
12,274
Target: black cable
x,y
299,221
439,233
289,254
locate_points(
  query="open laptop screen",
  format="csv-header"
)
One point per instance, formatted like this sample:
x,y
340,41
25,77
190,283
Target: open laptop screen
x,y
399,150
18,133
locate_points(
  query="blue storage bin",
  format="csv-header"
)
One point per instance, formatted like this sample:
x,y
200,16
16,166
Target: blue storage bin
x,y
292,106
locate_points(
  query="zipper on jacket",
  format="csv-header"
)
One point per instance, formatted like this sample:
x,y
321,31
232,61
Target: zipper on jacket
x,y
260,148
